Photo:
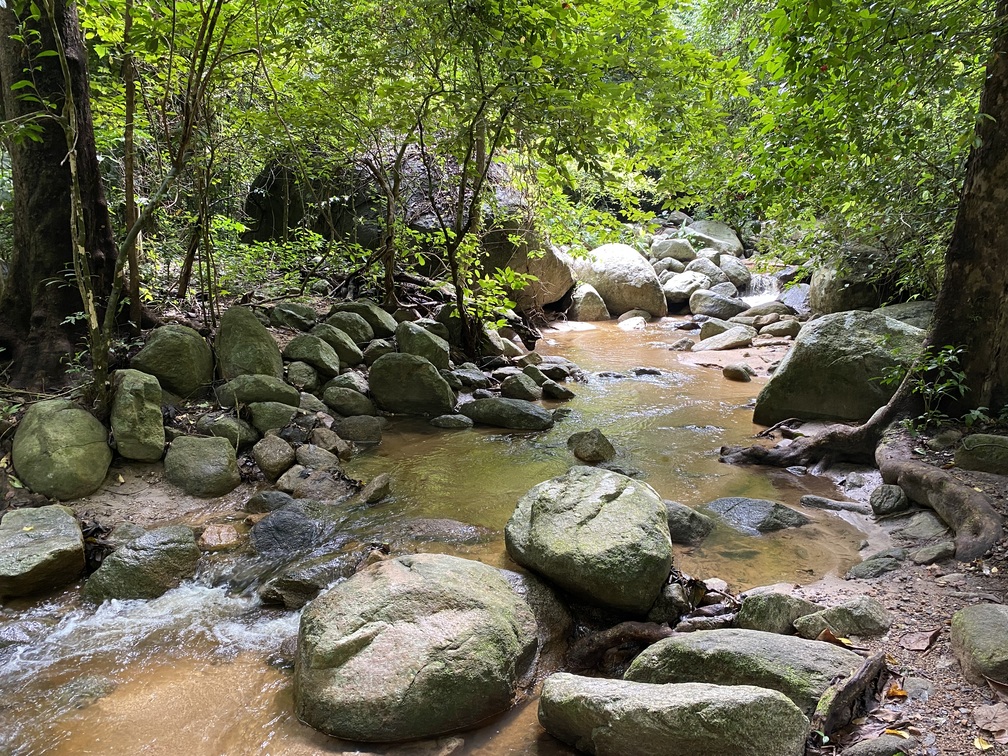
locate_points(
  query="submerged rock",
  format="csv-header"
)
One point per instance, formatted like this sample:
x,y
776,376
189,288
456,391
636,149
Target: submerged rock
x,y
618,717
591,446
146,566
516,414
686,525
413,647
754,516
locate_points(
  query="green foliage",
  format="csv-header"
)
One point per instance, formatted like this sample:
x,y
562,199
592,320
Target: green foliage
x,y
934,377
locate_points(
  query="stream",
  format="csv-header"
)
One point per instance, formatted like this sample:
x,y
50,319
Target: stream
x,y
198,671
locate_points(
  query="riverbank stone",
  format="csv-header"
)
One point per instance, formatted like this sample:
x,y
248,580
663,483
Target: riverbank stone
x,y
985,452
979,638
60,450
618,717
41,549
415,339
407,384
204,467
707,302
245,346
382,324
597,534
623,278
452,422
274,456
516,414
413,647
773,612
347,351
591,446
311,349
686,525
179,358
136,420
800,669
255,387
832,371
360,429
754,516
520,386
888,499
146,566
293,315
354,326
587,305
239,432
347,402
863,617
713,234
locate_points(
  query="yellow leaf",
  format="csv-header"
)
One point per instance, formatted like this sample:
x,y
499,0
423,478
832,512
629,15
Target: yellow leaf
x,y
975,488
899,733
5,462
121,479
28,528
982,745
895,691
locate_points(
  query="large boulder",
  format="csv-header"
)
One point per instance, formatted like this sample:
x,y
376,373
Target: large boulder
x,y
60,450
623,278
679,288
850,286
671,247
347,351
715,235
407,384
413,647
415,339
754,516
707,268
244,346
179,358
41,549
833,371
597,534
550,268
293,315
736,270
353,325
517,414
383,324
736,337
707,302
917,313
311,349
146,566
979,639
983,451
203,467
617,717
773,612
800,669
587,305
137,424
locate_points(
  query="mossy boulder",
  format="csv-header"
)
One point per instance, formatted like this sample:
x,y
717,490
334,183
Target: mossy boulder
x,y
204,467
415,339
179,358
382,324
137,424
501,412
41,549
60,450
249,388
407,384
979,639
245,346
146,566
984,452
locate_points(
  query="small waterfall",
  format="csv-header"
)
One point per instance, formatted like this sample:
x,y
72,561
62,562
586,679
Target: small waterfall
x,y
762,288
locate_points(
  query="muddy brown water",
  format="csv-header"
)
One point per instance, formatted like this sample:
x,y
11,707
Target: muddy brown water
x,y
191,672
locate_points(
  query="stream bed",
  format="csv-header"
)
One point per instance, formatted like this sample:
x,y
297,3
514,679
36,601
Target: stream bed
x,y
199,670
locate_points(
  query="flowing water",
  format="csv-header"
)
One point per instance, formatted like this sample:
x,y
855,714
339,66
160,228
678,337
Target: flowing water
x,y
194,672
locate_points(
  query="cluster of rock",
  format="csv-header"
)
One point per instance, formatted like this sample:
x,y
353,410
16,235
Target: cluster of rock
x,y
420,645
299,411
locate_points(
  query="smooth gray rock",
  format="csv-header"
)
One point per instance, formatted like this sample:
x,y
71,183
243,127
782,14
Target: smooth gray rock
x,y
244,346
344,346
293,315
754,516
415,339
249,388
361,429
354,326
736,337
452,422
620,717
888,499
979,638
773,612
707,302
800,669
591,446
285,531
882,745
686,525
736,270
715,234
60,450
599,535
917,313
832,370
204,467
413,647
587,305
862,616
311,349
782,329
268,416
923,526
302,376
671,247
709,269
137,424
41,549
406,384
553,390
382,324
520,386
516,414
679,288
317,458
877,565
179,358
985,452
274,456
937,552
239,432
347,402
623,278
738,371
145,567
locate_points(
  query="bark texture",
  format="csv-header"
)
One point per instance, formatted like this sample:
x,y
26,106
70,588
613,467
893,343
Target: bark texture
x,y
39,292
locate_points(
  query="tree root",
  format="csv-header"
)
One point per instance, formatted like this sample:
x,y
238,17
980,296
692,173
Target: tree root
x,y
586,652
967,511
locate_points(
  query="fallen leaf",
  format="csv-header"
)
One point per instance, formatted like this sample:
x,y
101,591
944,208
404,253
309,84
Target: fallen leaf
x,y
15,483
827,636
920,641
899,733
891,660
895,691
1000,689
975,488
5,462
27,528
121,479
991,717
982,745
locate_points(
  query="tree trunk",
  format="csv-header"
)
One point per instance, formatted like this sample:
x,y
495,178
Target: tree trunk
x,y
40,293
972,305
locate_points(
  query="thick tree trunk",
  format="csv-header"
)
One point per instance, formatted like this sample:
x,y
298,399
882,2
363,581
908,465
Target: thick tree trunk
x,y
40,293
972,306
